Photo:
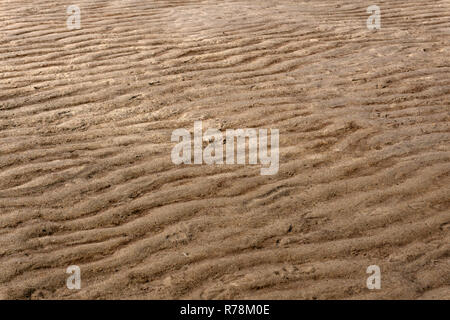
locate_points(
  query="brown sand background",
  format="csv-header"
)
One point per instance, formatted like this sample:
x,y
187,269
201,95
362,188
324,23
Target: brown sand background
x,y
86,176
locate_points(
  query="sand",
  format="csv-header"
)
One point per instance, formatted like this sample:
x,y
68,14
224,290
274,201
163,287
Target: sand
x,y
86,176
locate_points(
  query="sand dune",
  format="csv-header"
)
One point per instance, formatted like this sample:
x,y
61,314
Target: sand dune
x,y
86,176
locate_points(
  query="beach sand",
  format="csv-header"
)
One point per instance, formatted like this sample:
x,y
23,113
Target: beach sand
x,y
86,176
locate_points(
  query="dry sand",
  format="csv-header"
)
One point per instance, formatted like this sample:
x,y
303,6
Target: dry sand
x,y
86,177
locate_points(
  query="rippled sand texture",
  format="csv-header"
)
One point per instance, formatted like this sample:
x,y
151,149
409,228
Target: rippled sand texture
x,y
86,177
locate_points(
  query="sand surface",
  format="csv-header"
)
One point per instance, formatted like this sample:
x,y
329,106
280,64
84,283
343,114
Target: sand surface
x,y
86,176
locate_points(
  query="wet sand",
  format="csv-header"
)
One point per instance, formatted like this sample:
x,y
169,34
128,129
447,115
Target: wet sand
x,y
86,176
